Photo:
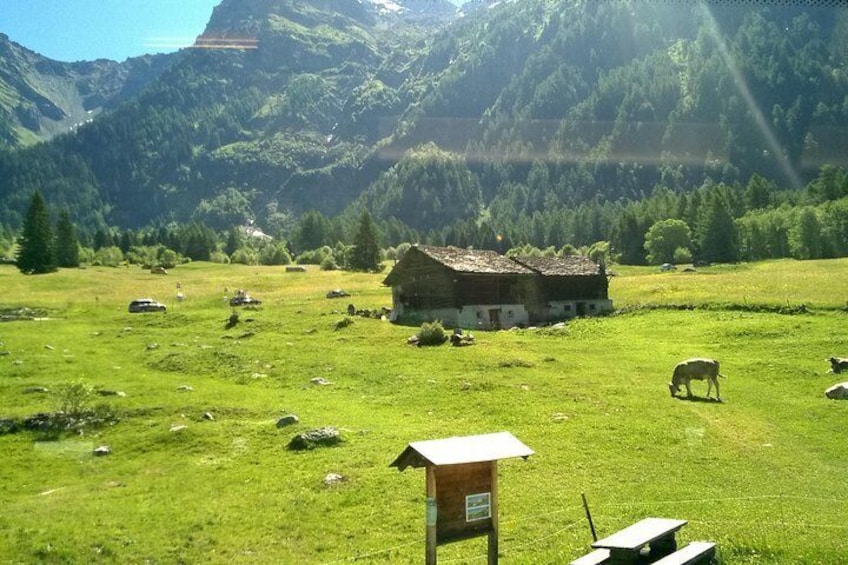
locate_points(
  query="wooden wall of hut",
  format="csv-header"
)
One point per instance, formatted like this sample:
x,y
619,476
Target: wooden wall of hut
x,y
575,288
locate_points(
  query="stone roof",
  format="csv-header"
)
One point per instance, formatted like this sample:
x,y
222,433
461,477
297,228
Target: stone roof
x,y
569,265
476,261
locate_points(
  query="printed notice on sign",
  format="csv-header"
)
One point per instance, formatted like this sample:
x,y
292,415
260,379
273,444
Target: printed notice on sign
x,y
478,506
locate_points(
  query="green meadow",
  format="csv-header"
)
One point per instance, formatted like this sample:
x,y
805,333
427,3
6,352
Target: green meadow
x,y
762,473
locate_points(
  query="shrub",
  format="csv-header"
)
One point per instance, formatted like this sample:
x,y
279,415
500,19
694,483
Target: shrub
x,y
244,256
74,398
219,257
329,264
431,334
682,255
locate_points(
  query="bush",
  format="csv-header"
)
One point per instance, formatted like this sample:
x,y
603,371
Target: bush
x,y
682,255
74,398
244,256
219,257
329,264
431,334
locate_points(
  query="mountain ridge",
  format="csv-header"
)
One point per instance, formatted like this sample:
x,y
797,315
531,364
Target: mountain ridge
x,y
330,100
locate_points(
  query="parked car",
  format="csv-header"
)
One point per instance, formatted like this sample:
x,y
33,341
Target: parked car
x,y
146,305
665,267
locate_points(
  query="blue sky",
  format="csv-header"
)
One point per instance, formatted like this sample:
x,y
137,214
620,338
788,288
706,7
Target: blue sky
x,y
84,30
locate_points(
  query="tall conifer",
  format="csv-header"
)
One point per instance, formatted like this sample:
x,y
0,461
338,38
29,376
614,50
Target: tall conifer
x,y
36,254
366,249
67,244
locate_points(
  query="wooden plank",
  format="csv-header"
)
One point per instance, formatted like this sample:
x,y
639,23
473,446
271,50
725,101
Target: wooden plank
x,y
641,533
695,552
597,557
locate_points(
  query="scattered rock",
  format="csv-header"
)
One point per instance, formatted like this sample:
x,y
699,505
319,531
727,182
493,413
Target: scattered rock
x,y
185,388
558,417
178,428
36,390
152,346
50,347
459,339
320,381
208,416
837,391
319,437
8,427
334,479
343,323
17,362
104,392
337,293
5,353
102,450
39,422
524,387
246,335
287,420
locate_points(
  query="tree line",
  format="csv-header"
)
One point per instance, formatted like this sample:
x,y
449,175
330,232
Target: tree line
x,y
716,222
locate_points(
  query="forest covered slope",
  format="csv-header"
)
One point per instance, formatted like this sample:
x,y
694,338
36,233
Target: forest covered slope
x,y
542,121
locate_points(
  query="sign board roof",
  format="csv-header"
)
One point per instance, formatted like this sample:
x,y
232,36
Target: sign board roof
x,y
458,450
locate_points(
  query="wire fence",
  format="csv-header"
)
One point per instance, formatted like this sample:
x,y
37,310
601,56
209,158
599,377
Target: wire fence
x,y
515,522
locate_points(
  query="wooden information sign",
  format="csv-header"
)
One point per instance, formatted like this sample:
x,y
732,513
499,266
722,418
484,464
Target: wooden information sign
x,y
462,486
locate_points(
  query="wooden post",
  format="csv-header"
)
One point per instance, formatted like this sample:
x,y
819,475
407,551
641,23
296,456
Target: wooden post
x,y
493,535
431,516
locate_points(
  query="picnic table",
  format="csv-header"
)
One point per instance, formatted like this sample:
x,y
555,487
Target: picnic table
x,y
625,546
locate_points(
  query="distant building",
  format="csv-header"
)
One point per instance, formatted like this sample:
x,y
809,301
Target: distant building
x,y
254,232
470,288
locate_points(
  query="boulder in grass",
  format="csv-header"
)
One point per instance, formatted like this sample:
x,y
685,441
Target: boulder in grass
x,y
287,420
319,437
334,479
8,426
837,391
102,450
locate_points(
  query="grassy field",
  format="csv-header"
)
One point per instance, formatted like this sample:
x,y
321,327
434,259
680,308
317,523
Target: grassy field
x,y
761,473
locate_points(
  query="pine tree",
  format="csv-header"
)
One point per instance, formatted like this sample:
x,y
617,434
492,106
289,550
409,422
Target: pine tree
x,y
366,250
718,237
67,244
36,254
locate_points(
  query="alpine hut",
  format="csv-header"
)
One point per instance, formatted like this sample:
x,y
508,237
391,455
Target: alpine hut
x,y
471,288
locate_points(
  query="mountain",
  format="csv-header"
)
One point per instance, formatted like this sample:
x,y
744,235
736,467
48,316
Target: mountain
x,y
42,98
517,108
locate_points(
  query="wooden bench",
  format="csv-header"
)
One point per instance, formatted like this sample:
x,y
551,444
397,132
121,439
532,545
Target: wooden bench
x,y
595,558
695,552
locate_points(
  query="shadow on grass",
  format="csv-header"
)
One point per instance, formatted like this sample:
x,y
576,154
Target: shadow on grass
x,y
699,399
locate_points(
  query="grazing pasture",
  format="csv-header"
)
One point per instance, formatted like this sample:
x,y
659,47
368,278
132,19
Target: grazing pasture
x,y
203,475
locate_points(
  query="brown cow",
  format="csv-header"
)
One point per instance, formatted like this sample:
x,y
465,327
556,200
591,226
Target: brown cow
x,y
698,369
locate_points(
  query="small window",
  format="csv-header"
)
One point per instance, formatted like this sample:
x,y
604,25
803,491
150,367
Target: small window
x,y
479,314
567,307
509,314
591,306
